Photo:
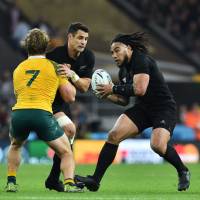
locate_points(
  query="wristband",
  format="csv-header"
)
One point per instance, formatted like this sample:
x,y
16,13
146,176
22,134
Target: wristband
x,y
124,90
74,77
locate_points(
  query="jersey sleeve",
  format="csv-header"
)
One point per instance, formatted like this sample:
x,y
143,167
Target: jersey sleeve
x,y
62,80
141,64
88,70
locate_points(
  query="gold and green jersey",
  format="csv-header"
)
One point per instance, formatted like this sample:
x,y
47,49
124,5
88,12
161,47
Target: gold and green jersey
x,y
35,83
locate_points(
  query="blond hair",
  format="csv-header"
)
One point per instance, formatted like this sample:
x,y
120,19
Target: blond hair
x,y
36,42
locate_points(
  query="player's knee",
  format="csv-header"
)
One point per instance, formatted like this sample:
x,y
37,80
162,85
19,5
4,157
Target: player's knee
x,y
113,137
65,151
70,130
66,124
158,147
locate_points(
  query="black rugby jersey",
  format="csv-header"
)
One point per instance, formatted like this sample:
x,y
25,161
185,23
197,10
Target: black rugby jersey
x,y
157,92
83,66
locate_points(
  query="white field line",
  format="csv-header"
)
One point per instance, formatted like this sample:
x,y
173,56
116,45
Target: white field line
x,y
12,197
68,198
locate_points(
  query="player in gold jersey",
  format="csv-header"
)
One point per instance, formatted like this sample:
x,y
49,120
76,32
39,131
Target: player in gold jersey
x,y
35,84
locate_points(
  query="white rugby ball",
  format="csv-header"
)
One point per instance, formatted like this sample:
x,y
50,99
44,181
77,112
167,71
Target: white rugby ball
x,y
100,76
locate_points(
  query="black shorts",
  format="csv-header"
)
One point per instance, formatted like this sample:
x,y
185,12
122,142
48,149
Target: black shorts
x,y
62,108
157,117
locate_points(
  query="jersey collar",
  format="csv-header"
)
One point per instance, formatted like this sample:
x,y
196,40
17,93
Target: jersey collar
x,y
38,56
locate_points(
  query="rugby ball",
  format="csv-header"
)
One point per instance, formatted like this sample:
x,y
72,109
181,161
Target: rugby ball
x,y
100,76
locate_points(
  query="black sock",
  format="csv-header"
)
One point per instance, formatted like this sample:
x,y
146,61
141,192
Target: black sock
x,y
173,158
55,170
11,179
105,159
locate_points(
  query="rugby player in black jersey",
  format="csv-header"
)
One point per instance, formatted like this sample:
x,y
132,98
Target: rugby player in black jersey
x,y
78,67
154,107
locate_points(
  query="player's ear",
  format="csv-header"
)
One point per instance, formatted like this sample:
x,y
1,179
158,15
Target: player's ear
x,y
129,47
69,36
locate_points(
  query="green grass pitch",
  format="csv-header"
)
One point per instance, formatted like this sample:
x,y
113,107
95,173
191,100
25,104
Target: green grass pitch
x,y
121,182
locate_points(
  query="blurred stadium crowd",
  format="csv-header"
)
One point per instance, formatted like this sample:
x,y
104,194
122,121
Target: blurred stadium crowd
x,y
180,18
17,25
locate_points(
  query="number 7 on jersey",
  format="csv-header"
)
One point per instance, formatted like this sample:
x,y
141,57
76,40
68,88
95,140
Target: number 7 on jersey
x,y
35,73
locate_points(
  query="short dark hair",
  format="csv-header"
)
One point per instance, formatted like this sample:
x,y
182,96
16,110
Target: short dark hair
x,y
74,27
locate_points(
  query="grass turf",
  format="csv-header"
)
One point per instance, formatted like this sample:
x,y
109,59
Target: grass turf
x,y
121,182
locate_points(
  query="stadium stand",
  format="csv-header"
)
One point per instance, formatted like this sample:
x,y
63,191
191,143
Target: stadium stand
x,y
175,22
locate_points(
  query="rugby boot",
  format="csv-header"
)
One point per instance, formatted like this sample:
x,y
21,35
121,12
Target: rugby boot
x,y
184,180
89,182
